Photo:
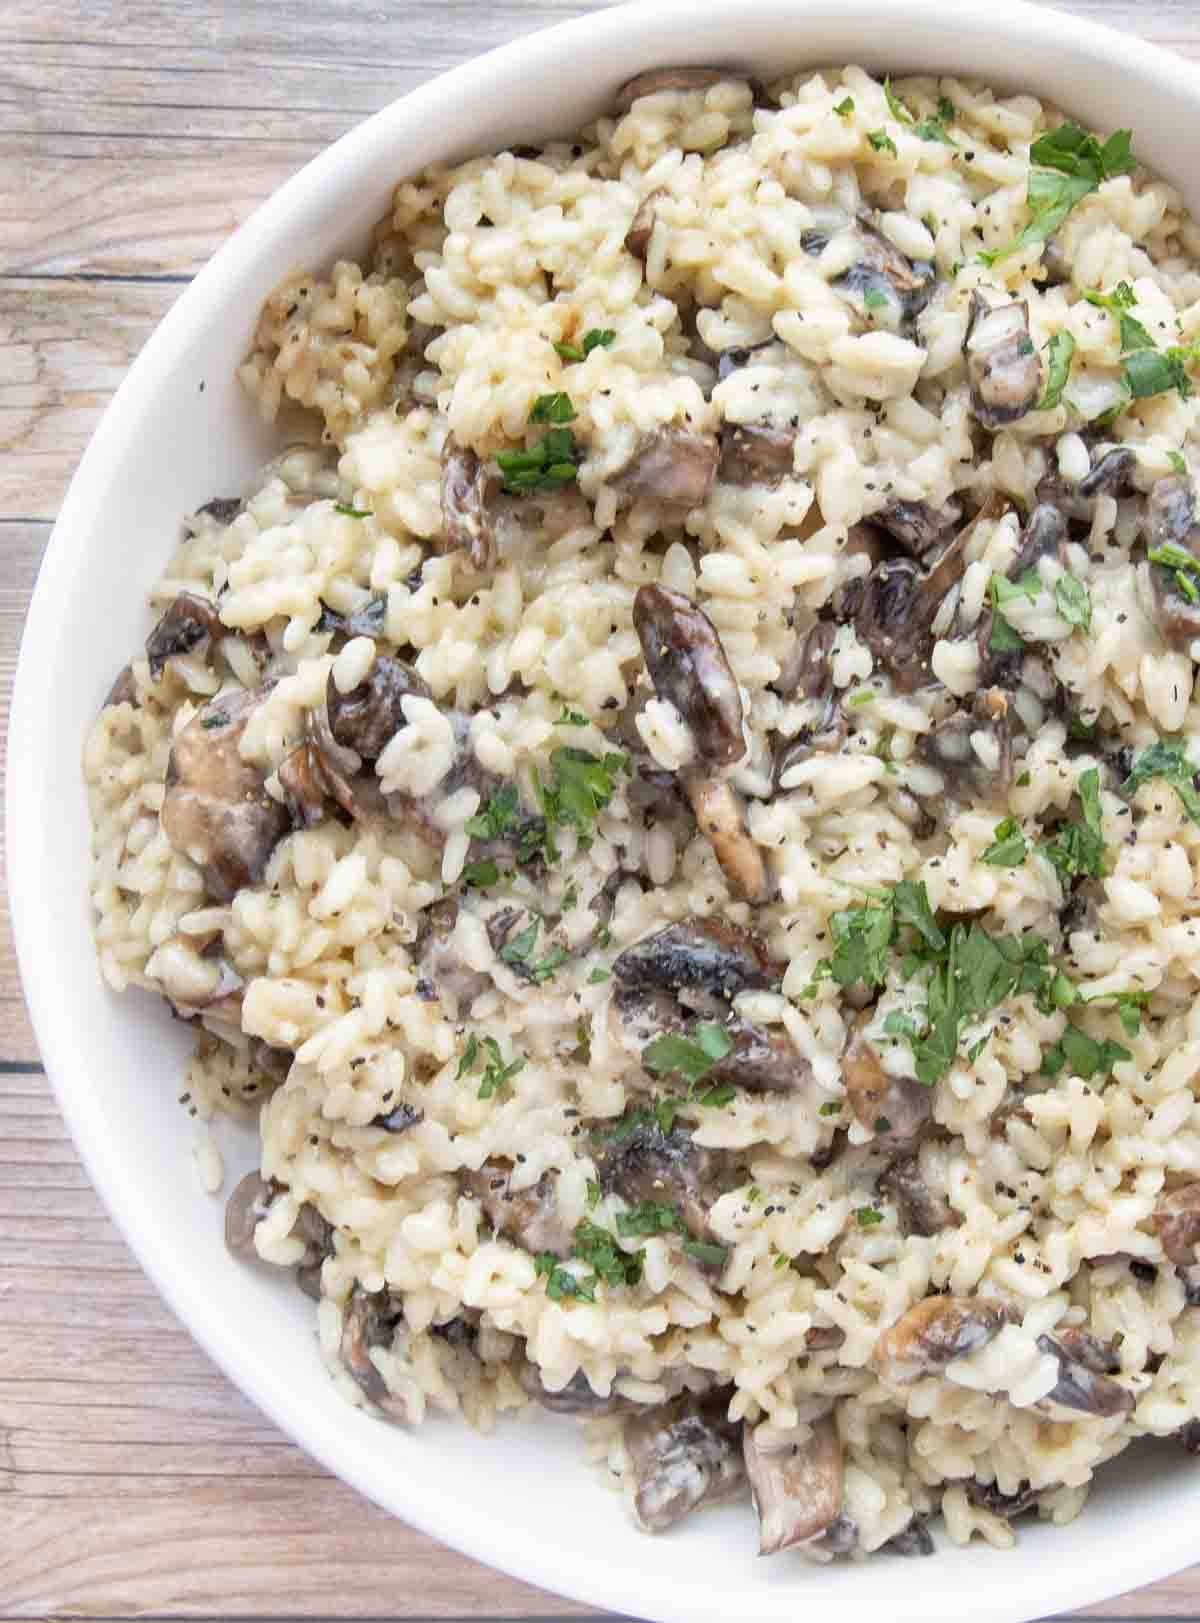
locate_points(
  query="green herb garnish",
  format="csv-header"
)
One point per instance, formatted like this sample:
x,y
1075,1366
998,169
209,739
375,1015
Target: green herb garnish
x,y
572,718
553,408
595,338
1078,848
478,875
351,512
1060,350
548,465
1068,163
497,816
1085,1056
1073,602
1008,848
845,108
1176,459
691,1057
881,141
928,129
1169,763
868,1216
1182,563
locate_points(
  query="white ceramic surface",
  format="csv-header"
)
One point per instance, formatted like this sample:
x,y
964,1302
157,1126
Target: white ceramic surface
x,y
178,433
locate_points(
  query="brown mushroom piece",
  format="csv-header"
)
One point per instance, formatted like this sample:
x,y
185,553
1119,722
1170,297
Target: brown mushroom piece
x,y
1003,365
687,665
883,286
468,485
1172,531
988,1496
797,1489
683,1454
755,453
699,955
895,1107
825,737
638,1161
316,776
124,689
672,466
528,1217
189,625
399,1118
1045,536
921,1210
442,971
656,80
641,229
934,1333
248,1205
223,509
368,621
721,817
1176,1221
1189,1436
807,671
1083,1382
920,528
368,717
370,1319
894,607
761,1059
951,747
577,1398
216,810
1110,474
272,1061
913,1540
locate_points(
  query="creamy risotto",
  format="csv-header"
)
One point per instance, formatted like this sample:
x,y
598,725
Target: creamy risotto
x,y
673,804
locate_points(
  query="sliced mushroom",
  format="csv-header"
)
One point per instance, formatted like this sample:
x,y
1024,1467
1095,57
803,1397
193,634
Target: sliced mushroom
x,y
399,1118
312,778
894,607
468,486
1171,521
894,1107
698,954
638,1161
986,771
1110,474
841,1536
368,717
272,1061
934,1333
637,238
1056,264
1080,1345
825,737
224,509
368,621
797,1489
913,1540
656,80
919,528
883,286
1189,1436
1003,365
216,810
671,466
761,1059
528,1217
721,818
989,1497
245,1209
755,453
124,689
576,1398
1044,536
1080,1384
189,625
371,1319
683,1454
921,1210
443,972
1176,1221
317,1235
807,671
687,665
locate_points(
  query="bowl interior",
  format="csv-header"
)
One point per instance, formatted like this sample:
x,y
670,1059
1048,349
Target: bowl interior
x,y
181,432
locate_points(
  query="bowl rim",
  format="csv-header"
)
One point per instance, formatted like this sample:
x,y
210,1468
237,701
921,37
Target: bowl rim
x,y
1130,1564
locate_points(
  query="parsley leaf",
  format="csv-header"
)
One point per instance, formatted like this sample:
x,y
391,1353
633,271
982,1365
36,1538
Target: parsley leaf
x,y
582,786
1008,848
875,298
881,141
593,1194
831,1107
497,816
1085,1056
867,1216
478,875
496,1073
553,408
864,937
928,129
1060,350
845,108
1118,303
1175,458
572,718
594,338
596,1247
548,465
517,952
1150,371
1078,848
895,106
561,1281
1004,637
1068,163
911,902
1073,602
350,511
650,1217
595,976
469,1055
1169,763
706,1251
1182,563
692,1057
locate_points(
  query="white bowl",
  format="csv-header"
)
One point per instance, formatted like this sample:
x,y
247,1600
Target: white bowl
x,y
180,432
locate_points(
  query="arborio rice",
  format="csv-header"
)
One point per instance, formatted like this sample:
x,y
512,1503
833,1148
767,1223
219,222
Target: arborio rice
x,y
675,805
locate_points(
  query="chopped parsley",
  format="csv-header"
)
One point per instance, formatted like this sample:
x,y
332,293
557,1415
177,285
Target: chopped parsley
x,y
875,298
1176,459
1083,1054
928,129
349,511
690,1057
593,1194
595,338
1180,562
1004,637
478,875
561,1281
868,1216
548,465
1073,602
553,408
497,816
1060,351
845,108
495,1072
1067,164
1129,1006
595,976
706,1251
518,951
581,786
945,109
650,1217
1145,370
1078,848
831,1107
596,1248
899,1024
1008,848
881,141
864,935
572,718
1118,303
1169,763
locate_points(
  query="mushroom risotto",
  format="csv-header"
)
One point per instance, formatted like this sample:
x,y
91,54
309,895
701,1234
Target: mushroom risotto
x,y
675,804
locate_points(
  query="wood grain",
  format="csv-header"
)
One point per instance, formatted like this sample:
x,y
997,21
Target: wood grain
x,y
134,136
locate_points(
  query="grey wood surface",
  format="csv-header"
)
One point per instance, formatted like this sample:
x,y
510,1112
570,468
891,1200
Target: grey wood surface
x,y
134,136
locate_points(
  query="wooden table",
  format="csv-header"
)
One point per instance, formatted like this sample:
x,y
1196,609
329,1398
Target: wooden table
x,y
134,136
